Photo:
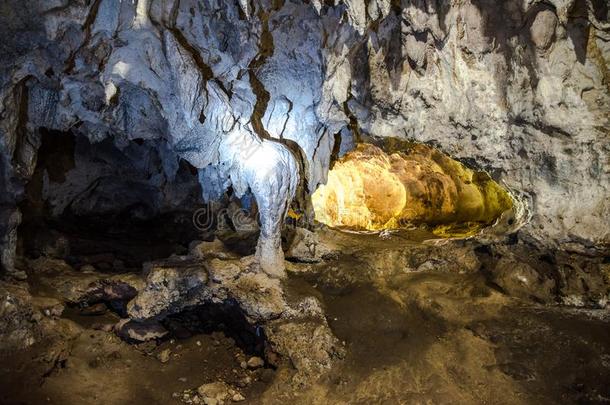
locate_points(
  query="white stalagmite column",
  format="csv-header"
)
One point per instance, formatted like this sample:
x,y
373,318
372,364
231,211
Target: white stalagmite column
x,y
270,171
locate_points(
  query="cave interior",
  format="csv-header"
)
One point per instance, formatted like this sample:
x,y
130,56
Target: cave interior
x,y
272,201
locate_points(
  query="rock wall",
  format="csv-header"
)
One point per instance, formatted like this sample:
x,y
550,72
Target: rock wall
x,y
256,94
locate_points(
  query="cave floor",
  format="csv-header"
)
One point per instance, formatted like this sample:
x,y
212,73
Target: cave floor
x,y
435,335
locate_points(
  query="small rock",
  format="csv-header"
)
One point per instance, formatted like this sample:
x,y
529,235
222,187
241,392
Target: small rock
x,y
164,355
304,246
519,279
244,382
243,365
255,362
238,398
147,347
213,393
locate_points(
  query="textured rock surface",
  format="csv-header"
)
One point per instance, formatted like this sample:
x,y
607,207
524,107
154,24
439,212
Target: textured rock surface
x,y
19,318
56,279
291,328
369,189
256,94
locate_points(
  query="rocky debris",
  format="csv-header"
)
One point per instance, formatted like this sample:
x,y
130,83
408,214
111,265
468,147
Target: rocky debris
x,y
50,307
583,285
82,287
164,355
112,289
134,331
518,279
310,346
305,246
255,362
523,271
183,282
214,393
244,381
27,319
19,319
87,268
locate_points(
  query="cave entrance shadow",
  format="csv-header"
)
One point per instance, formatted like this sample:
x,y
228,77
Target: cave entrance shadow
x,y
226,317
98,204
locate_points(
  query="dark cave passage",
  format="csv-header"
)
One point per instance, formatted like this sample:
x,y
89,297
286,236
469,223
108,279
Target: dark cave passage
x,y
110,207
226,317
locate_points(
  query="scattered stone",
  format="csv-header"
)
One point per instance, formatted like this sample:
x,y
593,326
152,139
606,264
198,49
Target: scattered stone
x,y
18,326
244,382
255,362
19,275
213,393
520,280
86,286
238,397
243,365
164,355
304,246
182,281
147,347
50,307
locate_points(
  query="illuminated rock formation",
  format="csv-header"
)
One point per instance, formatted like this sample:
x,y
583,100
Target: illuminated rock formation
x,y
368,189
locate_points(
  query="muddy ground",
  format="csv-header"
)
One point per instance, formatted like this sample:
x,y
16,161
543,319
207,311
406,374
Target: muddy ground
x,y
439,332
